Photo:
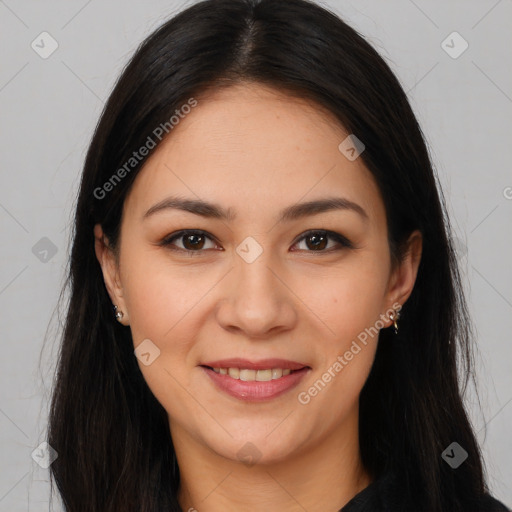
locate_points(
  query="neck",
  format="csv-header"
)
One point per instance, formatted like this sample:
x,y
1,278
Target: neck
x,y
322,478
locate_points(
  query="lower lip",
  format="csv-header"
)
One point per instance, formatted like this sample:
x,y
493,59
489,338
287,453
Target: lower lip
x,y
256,391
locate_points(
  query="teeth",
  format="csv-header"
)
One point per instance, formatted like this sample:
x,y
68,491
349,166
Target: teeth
x,y
254,375
234,372
264,375
247,374
277,373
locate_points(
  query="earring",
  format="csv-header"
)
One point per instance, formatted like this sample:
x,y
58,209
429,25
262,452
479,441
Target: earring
x,y
394,317
119,314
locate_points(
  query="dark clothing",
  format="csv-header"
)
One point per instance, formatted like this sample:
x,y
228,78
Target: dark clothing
x,y
378,497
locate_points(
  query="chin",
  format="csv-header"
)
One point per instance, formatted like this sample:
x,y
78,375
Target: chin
x,y
257,449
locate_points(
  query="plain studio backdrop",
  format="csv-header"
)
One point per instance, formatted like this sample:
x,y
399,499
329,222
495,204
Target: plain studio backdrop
x,y
60,60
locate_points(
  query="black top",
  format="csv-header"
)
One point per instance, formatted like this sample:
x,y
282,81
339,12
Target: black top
x,y
378,497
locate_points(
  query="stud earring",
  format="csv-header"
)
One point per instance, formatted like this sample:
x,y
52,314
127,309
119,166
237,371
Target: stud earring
x,y
394,316
119,314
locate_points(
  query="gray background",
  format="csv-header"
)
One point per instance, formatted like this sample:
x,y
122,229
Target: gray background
x,y
50,107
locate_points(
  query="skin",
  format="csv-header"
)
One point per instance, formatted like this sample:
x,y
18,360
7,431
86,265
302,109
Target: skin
x,y
257,151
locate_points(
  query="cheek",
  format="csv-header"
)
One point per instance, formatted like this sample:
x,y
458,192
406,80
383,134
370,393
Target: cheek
x,y
163,304
169,305
347,301
349,308
159,295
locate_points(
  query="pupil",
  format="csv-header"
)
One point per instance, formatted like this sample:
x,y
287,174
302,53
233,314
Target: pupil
x,y
193,239
318,240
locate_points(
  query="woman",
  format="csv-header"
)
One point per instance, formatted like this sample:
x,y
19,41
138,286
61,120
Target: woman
x,y
265,309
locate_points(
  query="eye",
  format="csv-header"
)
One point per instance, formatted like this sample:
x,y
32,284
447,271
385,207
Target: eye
x,y
192,240
317,240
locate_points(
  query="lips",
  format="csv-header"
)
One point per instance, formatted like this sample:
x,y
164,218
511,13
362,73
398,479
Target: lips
x,y
255,380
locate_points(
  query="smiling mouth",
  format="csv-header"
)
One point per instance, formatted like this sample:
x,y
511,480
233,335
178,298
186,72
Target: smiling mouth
x,y
255,381
250,375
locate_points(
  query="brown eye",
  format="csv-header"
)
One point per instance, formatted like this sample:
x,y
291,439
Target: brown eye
x,y
317,241
191,241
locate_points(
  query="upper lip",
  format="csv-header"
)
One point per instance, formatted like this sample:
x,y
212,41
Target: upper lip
x,y
262,364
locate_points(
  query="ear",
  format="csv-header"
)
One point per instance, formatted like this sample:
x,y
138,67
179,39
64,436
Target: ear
x,y
110,269
402,279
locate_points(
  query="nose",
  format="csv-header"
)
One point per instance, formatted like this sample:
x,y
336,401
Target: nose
x,y
257,302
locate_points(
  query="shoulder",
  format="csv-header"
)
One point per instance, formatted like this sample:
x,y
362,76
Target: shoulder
x,y
490,504
382,496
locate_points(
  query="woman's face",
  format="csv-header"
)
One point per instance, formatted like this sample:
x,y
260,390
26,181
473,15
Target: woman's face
x,y
261,288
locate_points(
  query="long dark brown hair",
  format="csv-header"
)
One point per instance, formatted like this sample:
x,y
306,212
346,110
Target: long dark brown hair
x,y
111,434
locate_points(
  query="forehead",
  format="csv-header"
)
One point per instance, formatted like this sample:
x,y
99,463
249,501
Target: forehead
x,y
253,148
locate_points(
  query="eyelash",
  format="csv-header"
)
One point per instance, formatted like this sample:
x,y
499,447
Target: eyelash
x,y
340,239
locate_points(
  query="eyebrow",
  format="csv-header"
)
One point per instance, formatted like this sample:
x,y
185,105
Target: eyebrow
x,y
290,213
